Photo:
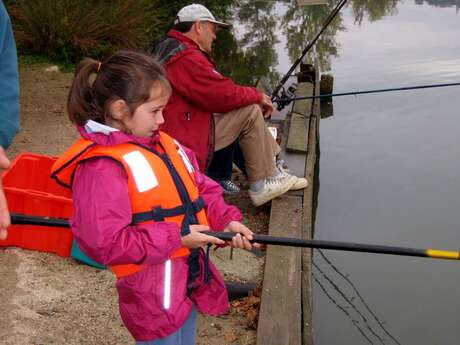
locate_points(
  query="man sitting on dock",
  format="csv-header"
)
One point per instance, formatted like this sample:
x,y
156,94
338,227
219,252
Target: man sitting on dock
x,y
208,111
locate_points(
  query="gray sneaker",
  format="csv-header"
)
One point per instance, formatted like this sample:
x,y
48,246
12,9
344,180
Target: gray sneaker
x,y
230,187
300,183
273,187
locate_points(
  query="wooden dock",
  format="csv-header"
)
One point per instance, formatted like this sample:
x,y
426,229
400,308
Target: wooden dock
x,y
285,315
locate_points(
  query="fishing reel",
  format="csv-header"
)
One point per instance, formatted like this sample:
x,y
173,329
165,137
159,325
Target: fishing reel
x,y
286,97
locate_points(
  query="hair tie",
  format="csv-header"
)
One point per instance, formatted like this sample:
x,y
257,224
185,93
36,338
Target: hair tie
x,y
98,66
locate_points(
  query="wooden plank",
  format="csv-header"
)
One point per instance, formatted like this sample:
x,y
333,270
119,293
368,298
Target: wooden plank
x,y
296,163
280,318
303,106
297,139
299,121
294,160
308,222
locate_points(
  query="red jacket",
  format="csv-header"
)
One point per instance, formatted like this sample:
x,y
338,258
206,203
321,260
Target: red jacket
x,y
198,92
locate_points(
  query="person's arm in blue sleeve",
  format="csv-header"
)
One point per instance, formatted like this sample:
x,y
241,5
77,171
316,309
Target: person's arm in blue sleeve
x,y
9,81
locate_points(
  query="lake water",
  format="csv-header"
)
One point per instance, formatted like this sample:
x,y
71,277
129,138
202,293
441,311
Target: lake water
x,y
389,164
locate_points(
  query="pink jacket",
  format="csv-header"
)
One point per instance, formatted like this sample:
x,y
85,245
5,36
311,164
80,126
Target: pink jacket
x,y
101,226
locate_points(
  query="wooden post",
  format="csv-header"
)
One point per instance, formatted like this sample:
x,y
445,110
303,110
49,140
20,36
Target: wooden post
x,y
326,84
308,218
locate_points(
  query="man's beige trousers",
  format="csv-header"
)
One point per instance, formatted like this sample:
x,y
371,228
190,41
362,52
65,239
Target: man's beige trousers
x,y
259,148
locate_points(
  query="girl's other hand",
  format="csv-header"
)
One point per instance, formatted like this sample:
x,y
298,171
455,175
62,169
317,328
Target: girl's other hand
x,y
196,239
243,236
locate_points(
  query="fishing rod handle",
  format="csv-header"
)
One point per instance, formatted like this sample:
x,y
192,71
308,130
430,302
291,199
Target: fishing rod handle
x,y
23,219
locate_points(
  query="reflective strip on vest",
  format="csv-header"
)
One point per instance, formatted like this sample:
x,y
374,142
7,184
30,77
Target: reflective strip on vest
x,y
167,285
182,153
142,171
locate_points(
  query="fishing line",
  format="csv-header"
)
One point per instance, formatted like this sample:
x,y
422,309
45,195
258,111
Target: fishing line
x,y
287,100
336,287
348,280
353,321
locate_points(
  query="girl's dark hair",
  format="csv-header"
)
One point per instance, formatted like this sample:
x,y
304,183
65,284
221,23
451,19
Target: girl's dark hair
x,y
126,75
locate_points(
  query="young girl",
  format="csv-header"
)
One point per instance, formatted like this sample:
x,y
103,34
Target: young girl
x,y
141,202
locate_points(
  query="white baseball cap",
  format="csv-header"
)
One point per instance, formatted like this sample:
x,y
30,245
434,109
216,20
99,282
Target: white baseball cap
x,y
197,12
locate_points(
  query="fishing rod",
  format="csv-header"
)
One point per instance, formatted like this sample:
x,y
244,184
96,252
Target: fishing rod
x,y
306,49
344,246
279,241
288,100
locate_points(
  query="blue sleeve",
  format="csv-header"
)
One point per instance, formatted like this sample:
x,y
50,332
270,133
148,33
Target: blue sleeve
x,y
9,81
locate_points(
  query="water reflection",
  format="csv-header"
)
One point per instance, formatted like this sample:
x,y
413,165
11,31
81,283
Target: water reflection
x,y
327,107
380,172
376,185
248,52
440,3
373,10
387,177
252,56
301,24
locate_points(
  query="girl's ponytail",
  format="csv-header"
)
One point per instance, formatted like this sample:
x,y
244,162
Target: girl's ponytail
x,y
81,102
126,75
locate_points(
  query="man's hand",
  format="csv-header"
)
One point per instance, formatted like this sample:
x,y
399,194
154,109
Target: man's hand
x,y
196,239
267,106
4,214
243,236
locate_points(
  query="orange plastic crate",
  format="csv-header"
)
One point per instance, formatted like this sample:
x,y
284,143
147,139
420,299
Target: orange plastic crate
x,y
30,190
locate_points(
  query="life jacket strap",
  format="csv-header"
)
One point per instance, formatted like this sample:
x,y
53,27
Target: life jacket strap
x,y
159,214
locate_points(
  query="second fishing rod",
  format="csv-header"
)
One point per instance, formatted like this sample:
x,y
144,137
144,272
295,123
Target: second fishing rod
x,y
306,49
287,100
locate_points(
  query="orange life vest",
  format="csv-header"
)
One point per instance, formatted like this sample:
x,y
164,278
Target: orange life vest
x,y
161,186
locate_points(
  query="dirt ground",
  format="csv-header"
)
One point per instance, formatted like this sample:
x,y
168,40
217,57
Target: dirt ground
x,y
47,299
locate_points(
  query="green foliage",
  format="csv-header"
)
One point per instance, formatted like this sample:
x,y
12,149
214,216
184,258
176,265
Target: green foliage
x,y
63,31
67,30
34,60
41,59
